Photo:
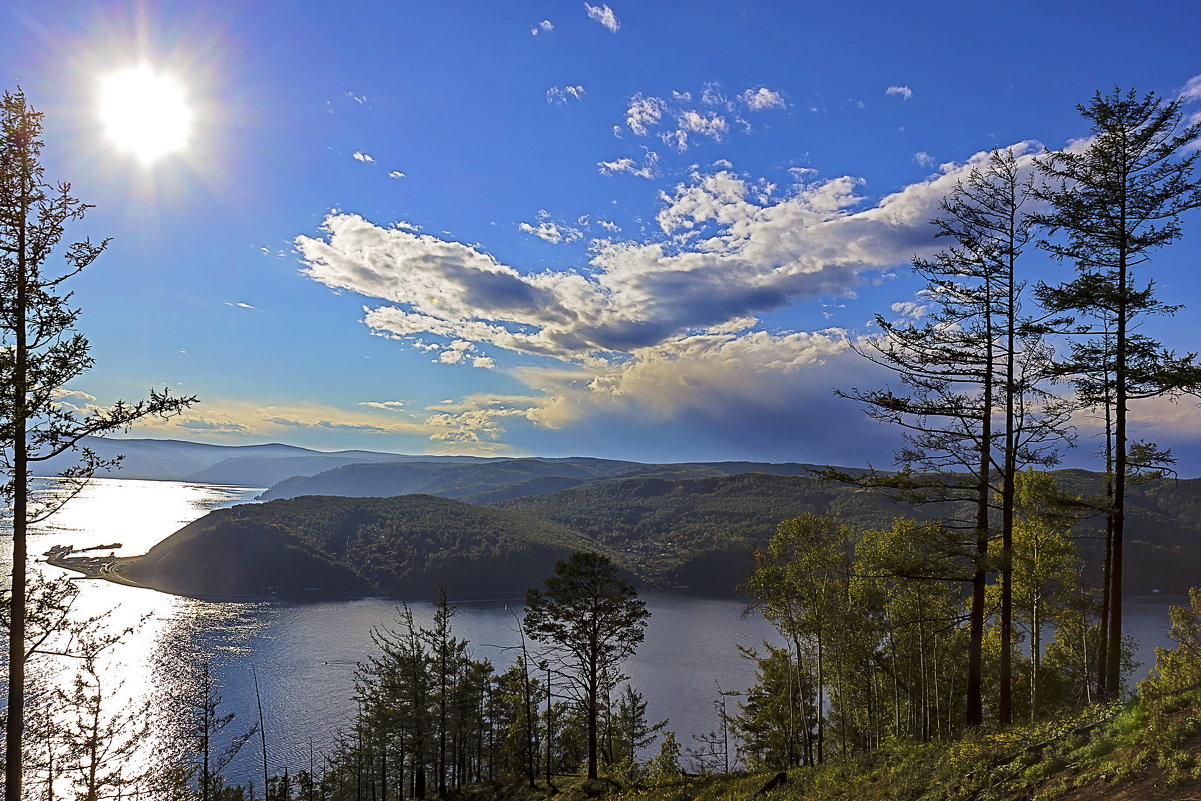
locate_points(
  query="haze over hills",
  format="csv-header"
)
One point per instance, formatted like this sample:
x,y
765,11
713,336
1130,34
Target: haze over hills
x,y
500,479
244,465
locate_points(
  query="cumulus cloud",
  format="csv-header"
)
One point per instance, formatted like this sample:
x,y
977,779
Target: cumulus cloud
x,y
545,26
910,310
705,123
604,15
559,96
1192,89
923,158
397,174
75,400
645,316
648,169
762,98
363,157
903,92
553,232
644,112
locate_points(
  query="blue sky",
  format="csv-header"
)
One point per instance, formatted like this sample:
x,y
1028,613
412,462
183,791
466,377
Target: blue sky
x,y
643,231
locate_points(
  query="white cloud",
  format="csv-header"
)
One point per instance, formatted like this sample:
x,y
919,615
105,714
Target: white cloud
x,y
460,351
910,310
682,97
904,92
385,405
545,26
762,98
644,112
266,418
239,305
552,232
701,371
711,95
604,15
75,400
649,168
360,99
658,323
397,174
559,96
1192,89
705,123
923,158
363,157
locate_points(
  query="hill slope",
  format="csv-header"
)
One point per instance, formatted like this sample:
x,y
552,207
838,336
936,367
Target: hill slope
x,y
695,533
397,546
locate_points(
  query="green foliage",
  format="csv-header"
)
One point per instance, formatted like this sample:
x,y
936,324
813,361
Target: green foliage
x,y
592,620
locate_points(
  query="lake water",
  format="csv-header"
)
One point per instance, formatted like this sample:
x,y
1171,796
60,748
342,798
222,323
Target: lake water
x,y
305,653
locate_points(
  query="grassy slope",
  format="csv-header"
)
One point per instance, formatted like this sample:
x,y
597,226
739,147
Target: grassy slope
x,y
1135,752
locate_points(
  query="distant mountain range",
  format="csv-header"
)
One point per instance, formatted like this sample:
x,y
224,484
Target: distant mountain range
x,y
243,465
393,524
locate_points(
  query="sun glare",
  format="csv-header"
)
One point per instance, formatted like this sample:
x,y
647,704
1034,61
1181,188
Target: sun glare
x,y
144,113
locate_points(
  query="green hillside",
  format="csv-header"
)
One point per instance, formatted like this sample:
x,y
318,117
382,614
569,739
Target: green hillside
x,y
696,533
434,478
225,556
485,481
699,533
397,546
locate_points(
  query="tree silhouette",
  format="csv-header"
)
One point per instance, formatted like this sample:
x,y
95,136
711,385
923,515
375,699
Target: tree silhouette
x,y
1110,204
592,620
39,355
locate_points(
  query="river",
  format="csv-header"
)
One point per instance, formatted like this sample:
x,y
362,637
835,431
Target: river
x,y
305,653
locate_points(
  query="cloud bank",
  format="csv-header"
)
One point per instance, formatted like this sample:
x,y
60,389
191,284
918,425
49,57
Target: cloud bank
x,y
669,325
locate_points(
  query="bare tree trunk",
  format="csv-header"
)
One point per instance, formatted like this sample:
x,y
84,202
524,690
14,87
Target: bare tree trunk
x,y
14,763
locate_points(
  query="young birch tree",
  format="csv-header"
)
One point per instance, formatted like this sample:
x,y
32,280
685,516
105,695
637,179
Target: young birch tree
x,y
972,407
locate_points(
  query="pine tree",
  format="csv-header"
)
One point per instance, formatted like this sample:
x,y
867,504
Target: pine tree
x,y
40,354
1110,204
973,409
593,620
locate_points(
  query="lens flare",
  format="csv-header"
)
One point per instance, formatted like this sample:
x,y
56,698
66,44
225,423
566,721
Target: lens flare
x,y
144,113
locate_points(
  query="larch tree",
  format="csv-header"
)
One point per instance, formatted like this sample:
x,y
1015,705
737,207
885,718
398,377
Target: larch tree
x,y
40,354
972,403
592,620
1111,202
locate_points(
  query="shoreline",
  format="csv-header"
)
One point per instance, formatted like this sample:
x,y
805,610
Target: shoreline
x,y
98,567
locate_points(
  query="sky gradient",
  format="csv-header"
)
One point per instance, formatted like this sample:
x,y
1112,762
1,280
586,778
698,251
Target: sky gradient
x,y
645,231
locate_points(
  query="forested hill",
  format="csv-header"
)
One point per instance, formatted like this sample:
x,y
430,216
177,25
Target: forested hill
x,y
700,533
326,546
693,533
491,480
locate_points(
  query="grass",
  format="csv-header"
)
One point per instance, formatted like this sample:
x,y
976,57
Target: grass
x,y
1139,749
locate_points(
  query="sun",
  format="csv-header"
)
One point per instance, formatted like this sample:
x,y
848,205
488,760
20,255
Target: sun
x,y
144,113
